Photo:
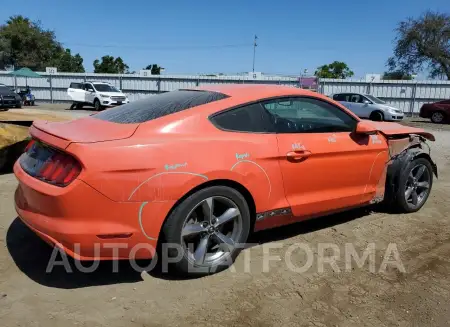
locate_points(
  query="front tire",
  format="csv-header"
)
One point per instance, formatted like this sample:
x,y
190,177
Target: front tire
x,y
208,228
415,183
97,105
438,117
376,116
19,105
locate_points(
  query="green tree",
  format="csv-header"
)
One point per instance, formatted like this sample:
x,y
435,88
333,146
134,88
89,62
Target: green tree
x,y
110,65
24,43
423,42
396,75
336,69
156,70
66,62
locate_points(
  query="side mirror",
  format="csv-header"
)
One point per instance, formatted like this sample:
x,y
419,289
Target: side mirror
x,y
366,102
365,127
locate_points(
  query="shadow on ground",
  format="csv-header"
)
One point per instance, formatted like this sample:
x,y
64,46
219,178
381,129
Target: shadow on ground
x,y
32,255
9,155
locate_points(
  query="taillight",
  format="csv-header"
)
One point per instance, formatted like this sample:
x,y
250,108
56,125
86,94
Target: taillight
x,y
49,165
60,169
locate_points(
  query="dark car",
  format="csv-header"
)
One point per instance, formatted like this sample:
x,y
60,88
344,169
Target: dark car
x,y
439,112
8,98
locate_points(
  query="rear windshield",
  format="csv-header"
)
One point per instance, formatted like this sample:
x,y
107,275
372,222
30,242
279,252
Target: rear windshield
x,y
156,106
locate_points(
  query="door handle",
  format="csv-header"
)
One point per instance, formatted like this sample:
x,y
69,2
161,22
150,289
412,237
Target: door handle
x,y
298,155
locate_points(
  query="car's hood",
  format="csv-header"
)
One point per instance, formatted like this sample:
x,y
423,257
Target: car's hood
x,y
113,94
390,129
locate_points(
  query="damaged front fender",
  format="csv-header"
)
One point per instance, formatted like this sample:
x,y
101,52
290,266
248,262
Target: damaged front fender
x,y
402,152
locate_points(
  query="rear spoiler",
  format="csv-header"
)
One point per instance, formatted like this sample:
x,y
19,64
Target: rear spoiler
x,y
37,132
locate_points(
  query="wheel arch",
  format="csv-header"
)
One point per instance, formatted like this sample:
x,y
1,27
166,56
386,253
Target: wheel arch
x,y
377,111
217,182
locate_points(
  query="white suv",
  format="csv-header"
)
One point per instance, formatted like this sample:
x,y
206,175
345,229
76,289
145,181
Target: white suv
x,y
97,94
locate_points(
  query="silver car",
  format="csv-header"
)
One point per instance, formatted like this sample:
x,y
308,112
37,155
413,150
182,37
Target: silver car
x,y
368,106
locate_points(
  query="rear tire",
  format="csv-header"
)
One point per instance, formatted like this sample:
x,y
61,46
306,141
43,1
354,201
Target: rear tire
x,y
205,236
376,116
97,105
414,186
438,117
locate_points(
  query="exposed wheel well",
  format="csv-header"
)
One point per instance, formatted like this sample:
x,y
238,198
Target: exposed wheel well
x,y
395,168
220,182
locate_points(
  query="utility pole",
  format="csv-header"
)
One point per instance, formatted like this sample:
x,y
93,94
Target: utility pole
x,y
254,52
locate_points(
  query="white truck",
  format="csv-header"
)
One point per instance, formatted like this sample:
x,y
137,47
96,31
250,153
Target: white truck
x,y
97,94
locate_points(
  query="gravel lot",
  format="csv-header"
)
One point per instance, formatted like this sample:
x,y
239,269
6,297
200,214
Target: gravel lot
x,y
278,297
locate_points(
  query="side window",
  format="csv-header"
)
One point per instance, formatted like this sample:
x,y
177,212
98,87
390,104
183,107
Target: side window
x,y
339,97
343,97
356,98
88,87
78,86
251,118
363,98
308,115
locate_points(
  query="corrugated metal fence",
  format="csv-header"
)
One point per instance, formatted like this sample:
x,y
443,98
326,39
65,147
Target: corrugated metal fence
x,y
406,95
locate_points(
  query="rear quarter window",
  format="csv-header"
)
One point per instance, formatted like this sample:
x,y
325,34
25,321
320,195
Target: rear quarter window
x,y
157,106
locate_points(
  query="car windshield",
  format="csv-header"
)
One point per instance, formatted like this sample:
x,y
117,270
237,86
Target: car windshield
x,y
374,99
105,88
4,89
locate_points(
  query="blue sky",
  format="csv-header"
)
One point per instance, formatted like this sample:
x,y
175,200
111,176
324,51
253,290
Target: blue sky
x,y
178,35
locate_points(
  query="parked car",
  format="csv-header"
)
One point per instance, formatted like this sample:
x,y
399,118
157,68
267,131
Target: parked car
x,y
439,112
368,106
96,94
9,99
201,168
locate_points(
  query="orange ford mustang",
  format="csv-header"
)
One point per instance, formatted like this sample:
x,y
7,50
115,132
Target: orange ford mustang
x,y
202,168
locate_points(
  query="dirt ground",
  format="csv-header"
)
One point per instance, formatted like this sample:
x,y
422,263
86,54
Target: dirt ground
x,y
420,296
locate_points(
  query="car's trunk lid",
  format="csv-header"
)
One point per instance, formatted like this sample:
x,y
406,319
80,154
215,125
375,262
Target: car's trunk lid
x,y
84,130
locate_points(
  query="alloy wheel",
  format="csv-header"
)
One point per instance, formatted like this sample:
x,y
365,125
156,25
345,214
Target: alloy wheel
x,y
417,185
437,117
211,230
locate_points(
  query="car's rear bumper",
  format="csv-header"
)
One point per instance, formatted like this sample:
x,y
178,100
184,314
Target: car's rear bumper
x,y
86,224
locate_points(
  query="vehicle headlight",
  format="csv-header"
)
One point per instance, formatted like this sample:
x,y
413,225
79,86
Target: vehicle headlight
x,y
104,96
392,111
